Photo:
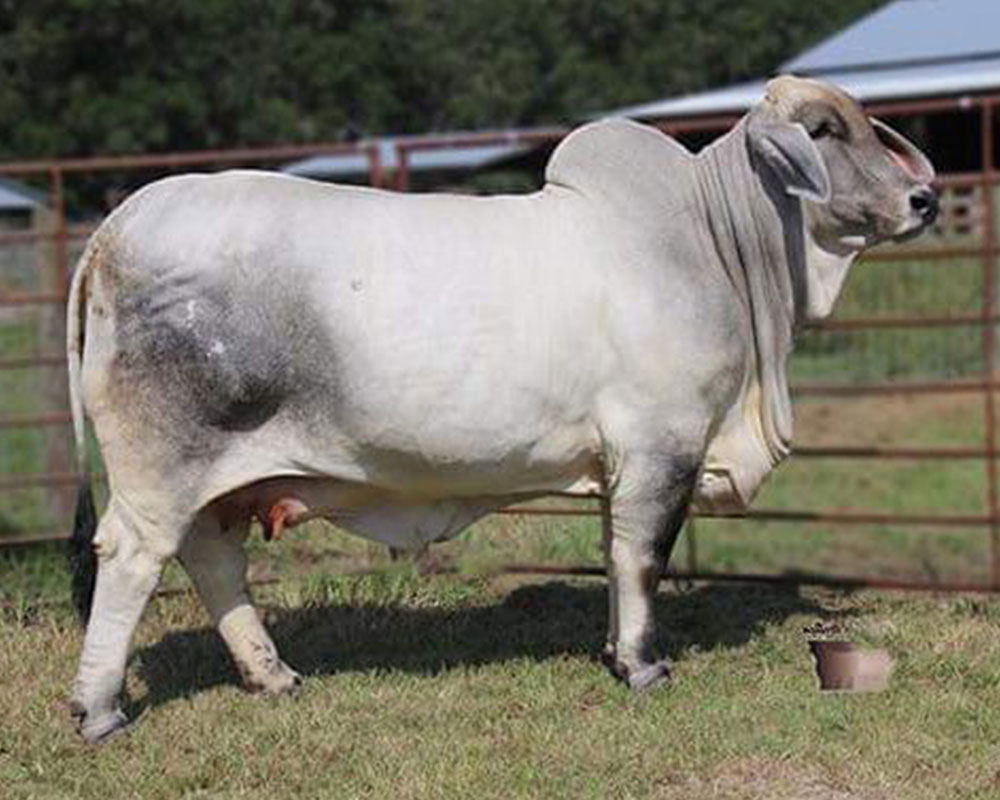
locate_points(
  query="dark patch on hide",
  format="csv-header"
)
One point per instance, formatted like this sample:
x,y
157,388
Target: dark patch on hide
x,y
220,359
680,487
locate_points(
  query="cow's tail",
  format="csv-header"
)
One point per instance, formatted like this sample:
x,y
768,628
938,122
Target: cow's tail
x,y
83,559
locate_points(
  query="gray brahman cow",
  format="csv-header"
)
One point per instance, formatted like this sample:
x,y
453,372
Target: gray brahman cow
x,y
250,345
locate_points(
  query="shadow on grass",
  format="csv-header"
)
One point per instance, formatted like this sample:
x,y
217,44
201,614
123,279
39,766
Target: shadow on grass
x,y
535,622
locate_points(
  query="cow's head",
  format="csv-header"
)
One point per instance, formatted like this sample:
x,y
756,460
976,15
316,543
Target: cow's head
x,y
863,183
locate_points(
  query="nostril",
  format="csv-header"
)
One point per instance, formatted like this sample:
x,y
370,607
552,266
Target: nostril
x,y
925,203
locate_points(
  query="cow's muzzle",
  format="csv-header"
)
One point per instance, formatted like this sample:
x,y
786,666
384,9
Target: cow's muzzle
x,y
924,203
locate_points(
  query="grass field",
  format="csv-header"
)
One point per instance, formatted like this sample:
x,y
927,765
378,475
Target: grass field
x,y
459,687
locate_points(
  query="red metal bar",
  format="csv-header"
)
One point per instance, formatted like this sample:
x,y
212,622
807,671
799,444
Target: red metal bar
x,y
869,518
15,299
795,515
923,253
905,387
376,171
240,155
22,362
696,125
787,579
876,451
51,418
989,334
902,321
965,180
28,237
402,167
58,203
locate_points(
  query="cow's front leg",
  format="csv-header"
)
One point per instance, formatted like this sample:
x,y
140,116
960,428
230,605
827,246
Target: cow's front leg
x,y
216,562
127,573
648,504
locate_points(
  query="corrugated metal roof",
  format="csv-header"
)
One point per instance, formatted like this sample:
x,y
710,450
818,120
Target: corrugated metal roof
x,y
909,31
907,49
18,197
868,86
468,157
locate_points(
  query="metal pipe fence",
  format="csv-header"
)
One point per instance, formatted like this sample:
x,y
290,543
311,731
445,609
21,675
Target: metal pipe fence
x,y
58,238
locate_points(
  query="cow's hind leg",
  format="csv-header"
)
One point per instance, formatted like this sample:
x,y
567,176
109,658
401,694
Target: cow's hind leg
x,y
214,558
648,507
130,556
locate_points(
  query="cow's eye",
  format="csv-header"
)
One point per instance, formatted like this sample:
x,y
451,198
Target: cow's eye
x,y
822,129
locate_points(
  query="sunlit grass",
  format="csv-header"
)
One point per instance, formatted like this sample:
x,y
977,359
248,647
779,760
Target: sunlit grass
x,y
457,687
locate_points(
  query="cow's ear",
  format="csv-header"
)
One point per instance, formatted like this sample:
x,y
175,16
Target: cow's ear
x,y
904,152
787,149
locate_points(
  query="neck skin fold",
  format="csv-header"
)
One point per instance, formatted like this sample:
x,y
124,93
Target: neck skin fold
x,y
757,232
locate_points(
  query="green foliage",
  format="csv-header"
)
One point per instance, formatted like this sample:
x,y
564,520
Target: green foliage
x,y
122,76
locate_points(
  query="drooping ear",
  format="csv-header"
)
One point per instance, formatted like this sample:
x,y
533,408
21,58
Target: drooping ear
x,y
903,152
787,150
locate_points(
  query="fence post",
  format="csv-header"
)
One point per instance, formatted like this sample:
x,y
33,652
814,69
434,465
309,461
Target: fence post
x,y
402,167
989,332
53,279
376,169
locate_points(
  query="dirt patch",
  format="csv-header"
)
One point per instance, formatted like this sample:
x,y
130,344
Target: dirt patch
x,y
957,419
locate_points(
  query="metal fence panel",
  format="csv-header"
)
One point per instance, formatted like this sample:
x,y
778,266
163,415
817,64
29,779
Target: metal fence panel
x,y
896,338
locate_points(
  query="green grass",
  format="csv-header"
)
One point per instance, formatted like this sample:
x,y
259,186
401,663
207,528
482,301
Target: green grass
x,y
23,393
908,288
471,687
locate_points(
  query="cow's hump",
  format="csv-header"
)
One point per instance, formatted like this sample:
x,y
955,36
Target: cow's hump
x,y
618,156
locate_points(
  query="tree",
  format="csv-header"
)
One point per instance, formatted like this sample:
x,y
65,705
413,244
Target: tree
x,y
82,77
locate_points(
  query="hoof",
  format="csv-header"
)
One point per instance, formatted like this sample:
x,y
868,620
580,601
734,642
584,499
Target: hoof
x,y
282,679
648,676
639,678
99,729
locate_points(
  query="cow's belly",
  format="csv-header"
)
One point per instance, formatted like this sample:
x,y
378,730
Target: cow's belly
x,y
400,498
397,487
565,459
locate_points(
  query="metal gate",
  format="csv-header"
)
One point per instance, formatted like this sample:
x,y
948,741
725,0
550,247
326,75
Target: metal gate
x,y
36,472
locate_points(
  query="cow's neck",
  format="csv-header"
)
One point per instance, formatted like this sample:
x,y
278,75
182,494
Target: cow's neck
x,y
756,227
756,231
